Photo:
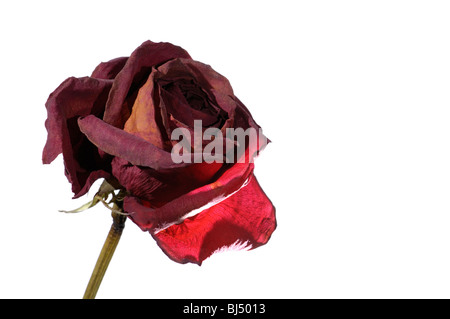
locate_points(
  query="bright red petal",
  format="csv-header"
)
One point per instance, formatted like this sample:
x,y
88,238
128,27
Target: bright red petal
x,y
155,218
245,218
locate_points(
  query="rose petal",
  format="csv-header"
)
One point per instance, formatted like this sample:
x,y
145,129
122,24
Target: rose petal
x,y
157,188
215,85
206,77
73,98
136,69
244,118
92,177
138,181
247,218
145,119
129,147
155,219
110,69
178,107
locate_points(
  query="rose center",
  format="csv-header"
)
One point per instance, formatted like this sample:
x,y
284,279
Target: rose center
x,y
187,102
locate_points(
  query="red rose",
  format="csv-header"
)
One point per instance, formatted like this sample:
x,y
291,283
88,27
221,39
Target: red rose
x,y
118,125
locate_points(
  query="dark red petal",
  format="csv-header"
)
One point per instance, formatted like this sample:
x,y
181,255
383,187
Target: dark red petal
x,y
110,69
92,177
127,146
215,85
246,218
244,118
73,98
138,181
204,74
155,218
160,188
137,69
179,108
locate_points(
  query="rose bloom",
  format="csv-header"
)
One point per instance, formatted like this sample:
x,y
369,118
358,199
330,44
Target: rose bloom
x,y
117,125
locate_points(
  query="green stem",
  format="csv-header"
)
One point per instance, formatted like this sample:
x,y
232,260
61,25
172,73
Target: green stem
x,y
105,255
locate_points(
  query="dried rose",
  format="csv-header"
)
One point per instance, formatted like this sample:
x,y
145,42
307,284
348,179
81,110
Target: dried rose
x,y
118,124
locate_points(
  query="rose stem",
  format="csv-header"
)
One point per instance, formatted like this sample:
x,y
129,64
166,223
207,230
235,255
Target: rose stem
x,y
105,255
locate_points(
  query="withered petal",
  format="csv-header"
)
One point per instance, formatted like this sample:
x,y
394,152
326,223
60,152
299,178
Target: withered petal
x,y
134,72
109,70
129,147
73,98
145,119
160,188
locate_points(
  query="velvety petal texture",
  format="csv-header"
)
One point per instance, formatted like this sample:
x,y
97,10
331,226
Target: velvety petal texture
x,y
245,219
118,123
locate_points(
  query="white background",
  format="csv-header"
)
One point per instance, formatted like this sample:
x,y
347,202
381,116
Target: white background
x,y
355,96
